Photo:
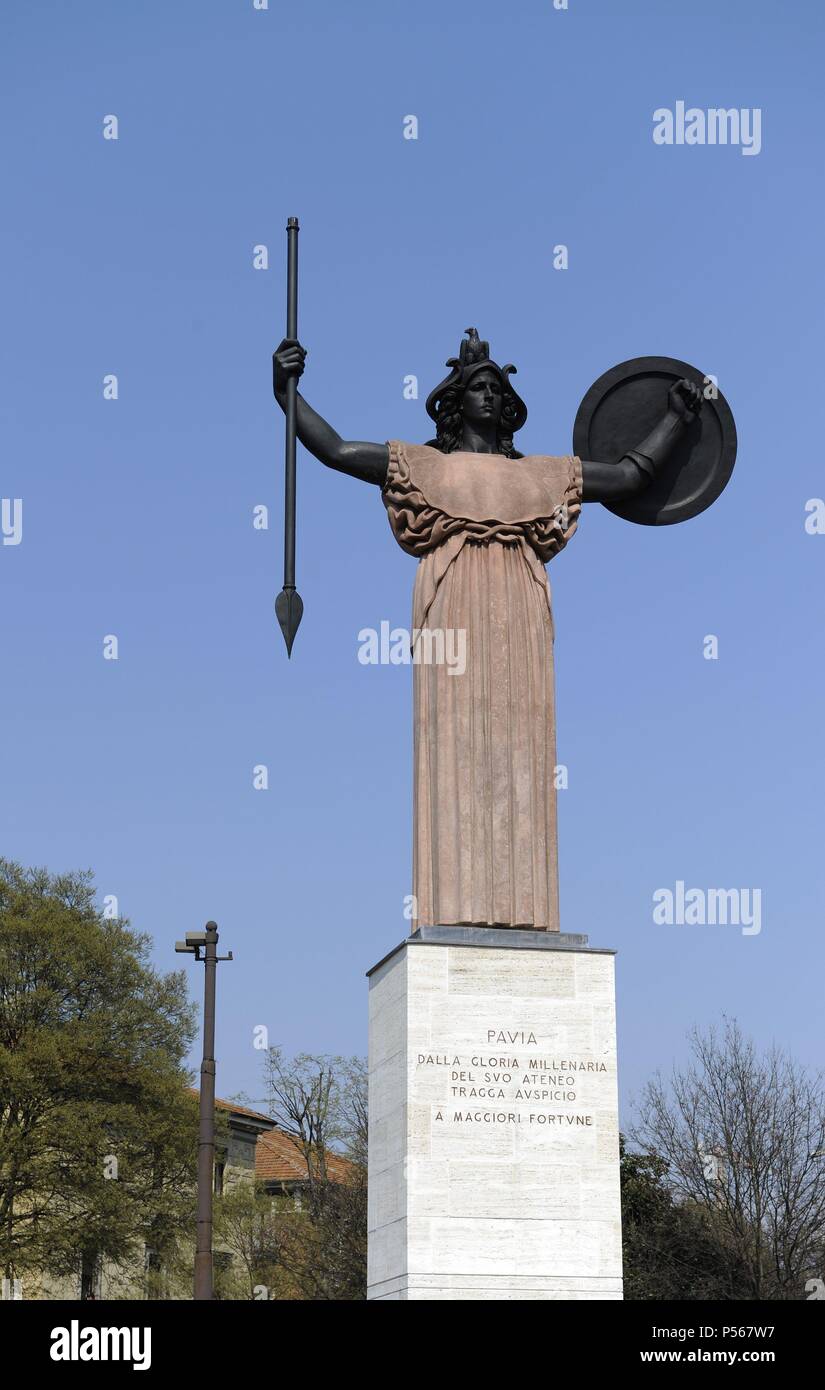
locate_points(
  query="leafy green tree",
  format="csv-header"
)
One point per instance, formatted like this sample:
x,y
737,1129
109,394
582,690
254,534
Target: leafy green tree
x,y
97,1130
247,1228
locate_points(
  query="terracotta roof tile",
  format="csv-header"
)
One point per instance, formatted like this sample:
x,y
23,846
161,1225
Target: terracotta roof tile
x,y
279,1159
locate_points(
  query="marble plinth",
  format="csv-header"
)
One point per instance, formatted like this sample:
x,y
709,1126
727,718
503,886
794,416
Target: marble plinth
x,y
494,1133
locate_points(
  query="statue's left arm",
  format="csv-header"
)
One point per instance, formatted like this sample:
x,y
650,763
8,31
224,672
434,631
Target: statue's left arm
x,y
612,482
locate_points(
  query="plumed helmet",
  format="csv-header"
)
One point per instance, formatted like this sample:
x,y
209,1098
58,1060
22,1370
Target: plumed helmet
x,y
474,356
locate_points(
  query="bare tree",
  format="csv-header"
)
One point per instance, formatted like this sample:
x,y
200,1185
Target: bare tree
x,y
306,1102
321,1102
354,1109
743,1136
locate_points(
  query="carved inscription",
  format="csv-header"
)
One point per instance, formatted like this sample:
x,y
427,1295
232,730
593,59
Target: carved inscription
x,y
525,1086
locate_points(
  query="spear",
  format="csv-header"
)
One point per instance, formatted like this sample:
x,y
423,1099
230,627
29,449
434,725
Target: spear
x,y
289,608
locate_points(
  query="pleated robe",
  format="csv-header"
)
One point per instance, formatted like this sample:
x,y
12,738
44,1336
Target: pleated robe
x,y
485,848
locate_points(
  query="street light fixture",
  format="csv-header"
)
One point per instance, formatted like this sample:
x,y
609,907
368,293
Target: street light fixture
x,y
194,939
203,945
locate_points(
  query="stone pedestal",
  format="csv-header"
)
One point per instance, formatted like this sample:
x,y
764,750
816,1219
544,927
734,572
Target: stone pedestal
x,y
494,1133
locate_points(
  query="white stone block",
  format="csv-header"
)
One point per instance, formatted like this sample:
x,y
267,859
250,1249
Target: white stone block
x,y
494,1135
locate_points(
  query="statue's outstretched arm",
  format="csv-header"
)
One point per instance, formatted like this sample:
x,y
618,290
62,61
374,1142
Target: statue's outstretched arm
x,y
369,462
611,482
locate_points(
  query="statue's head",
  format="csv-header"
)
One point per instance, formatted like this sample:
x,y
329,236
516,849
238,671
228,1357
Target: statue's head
x,y
477,391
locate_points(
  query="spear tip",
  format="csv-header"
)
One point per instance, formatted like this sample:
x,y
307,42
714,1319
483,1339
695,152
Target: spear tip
x,y
289,610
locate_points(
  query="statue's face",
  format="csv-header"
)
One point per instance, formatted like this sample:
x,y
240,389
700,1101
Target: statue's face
x,y
483,399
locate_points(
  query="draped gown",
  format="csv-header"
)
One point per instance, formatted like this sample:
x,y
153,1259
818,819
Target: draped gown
x,y
482,527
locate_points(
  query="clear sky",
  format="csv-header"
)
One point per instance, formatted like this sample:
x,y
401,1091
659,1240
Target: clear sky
x,y
135,257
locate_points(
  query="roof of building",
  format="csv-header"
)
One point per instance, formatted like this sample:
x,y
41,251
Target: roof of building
x,y
278,1157
242,1110
245,1118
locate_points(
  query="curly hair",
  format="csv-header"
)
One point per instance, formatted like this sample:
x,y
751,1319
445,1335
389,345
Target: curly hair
x,y
445,401
449,422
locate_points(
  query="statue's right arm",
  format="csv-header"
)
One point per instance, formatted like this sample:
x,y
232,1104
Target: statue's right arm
x,y
369,462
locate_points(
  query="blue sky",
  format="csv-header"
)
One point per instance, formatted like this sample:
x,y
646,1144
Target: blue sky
x,y
134,257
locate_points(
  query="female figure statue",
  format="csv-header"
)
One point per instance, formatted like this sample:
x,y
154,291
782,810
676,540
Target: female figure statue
x,y
483,521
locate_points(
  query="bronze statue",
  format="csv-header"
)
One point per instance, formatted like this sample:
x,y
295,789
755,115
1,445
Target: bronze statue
x,y
483,520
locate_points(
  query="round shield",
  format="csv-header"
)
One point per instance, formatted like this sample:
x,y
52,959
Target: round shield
x,y
621,409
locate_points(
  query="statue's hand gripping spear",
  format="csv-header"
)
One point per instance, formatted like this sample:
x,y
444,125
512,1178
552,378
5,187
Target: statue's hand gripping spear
x,y
289,608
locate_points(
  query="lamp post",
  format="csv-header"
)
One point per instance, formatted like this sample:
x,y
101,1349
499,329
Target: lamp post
x,y
203,945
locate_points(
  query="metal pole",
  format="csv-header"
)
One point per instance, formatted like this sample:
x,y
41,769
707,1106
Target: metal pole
x,y
206,1131
289,605
290,489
